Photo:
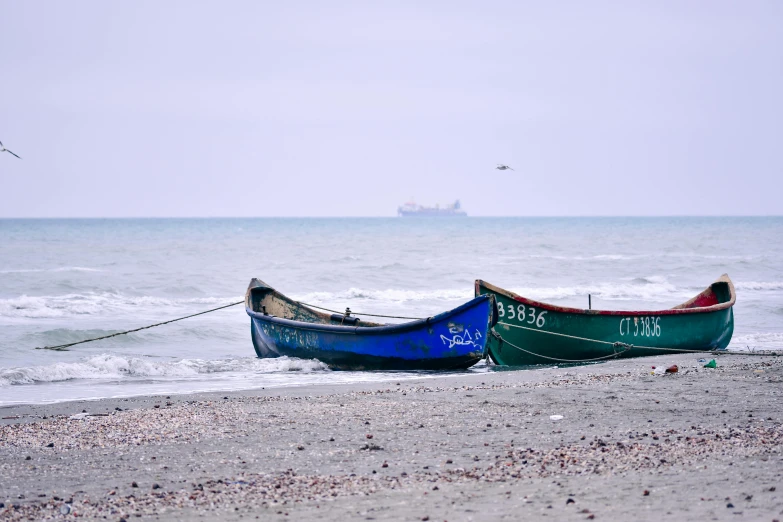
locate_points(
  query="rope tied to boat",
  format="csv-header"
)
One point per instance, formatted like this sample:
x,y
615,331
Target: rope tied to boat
x,y
615,345
64,347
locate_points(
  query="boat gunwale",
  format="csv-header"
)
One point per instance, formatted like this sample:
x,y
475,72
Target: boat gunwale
x,y
363,330
677,310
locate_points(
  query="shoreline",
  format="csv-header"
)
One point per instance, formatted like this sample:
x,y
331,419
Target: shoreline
x,y
404,376
459,447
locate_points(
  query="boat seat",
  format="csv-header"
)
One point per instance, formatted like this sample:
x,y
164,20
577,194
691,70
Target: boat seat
x,y
344,319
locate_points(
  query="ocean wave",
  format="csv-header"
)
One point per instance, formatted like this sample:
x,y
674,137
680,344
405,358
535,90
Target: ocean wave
x,y
616,257
69,305
218,331
654,288
641,289
66,335
605,257
758,340
758,285
388,295
650,288
649,280
629,257
58,269
109,366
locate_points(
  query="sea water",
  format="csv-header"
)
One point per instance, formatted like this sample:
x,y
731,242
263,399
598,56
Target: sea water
x,y
66,280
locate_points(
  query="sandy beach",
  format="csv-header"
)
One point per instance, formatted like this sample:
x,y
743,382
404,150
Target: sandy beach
x,y
701,444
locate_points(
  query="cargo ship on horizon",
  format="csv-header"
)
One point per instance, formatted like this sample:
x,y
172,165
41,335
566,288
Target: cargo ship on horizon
x,y
411,209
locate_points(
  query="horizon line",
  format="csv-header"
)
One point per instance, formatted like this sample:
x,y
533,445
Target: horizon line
x,y
422,218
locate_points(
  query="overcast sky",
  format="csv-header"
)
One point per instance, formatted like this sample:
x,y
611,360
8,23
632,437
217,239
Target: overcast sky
x,y
331,108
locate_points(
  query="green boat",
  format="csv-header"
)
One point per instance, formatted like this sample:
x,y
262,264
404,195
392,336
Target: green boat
x,y
531,332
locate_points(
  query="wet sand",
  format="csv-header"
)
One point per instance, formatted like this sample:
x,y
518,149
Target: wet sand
x,y
701,444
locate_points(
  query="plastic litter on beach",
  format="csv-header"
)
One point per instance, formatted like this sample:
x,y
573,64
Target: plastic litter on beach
x,y
711,364
672,369
84,415
555,417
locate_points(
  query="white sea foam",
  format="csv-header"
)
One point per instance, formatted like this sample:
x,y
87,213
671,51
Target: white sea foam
x,y
615,257
650,288
68,305
605,257
628,257
757,341
654,288
759,285
109,366
58,269
388,295
650,291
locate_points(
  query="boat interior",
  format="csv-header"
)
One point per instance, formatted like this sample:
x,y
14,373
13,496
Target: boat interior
x,y
719,292
265,300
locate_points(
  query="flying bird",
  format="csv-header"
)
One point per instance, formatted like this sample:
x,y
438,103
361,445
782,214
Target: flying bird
x,y
3,149
499,167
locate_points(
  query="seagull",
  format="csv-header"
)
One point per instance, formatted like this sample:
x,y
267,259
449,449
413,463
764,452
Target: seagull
x,y
499,167
3,149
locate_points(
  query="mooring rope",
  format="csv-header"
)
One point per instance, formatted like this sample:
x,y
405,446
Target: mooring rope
x,y
359,313
63,347
562,334
556,359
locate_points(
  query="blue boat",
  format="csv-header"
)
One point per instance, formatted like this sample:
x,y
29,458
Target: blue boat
x,y
452,340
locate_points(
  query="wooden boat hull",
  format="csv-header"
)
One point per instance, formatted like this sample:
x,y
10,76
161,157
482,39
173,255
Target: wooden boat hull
x,y
451,340
530,332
